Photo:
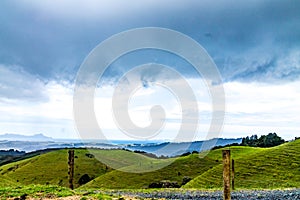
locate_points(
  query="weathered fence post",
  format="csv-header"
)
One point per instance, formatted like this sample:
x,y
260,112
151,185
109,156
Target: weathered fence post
x,y
226,174
71,168
232,171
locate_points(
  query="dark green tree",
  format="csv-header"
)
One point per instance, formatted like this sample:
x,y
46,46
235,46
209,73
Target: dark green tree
x,y
270,140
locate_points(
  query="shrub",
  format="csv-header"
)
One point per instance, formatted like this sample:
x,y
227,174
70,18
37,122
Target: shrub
x,y
84,179
164,184
185,180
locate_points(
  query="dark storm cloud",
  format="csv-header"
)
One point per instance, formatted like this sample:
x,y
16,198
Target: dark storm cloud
x,y
249,40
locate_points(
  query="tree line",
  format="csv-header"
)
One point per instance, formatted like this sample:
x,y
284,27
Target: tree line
x,y
270,140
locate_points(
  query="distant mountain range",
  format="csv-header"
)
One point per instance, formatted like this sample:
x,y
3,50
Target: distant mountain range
x,y
174,149
19,137
39,142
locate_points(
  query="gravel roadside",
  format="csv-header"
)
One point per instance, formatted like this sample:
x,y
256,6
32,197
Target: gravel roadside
x,y
193,194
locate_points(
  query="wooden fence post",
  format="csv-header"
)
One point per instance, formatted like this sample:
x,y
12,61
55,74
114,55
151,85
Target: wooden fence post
x,y
232,171
71,168
226,174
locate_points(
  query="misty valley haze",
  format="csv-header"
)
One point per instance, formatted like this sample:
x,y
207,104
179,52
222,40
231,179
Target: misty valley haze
x,y
40,142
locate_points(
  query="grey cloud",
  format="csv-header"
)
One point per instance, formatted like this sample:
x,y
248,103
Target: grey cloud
x,y
52,42
17,84
277,68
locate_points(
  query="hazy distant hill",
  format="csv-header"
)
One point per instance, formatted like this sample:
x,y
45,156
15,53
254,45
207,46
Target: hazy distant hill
x,y
19,137
39,141
30,146
174,149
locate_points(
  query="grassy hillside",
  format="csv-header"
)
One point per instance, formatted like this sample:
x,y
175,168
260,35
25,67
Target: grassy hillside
x,y
52,168
188,166
236,152
276,167
7,182
121,159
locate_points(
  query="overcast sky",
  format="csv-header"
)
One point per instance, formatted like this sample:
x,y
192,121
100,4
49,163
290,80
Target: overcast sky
x,y
255,45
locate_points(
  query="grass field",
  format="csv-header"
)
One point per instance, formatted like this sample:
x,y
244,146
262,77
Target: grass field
x,y
256,168
52,168
269,168
188,166
50,192
7,182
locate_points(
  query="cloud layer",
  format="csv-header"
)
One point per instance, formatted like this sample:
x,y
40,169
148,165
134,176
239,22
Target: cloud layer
x,y
246,40
255,45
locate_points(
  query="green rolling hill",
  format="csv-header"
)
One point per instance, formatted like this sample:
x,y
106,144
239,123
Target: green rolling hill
x,y
7,182
188,166
52,168
262,168
268,168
